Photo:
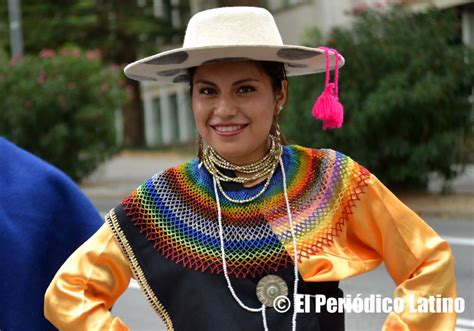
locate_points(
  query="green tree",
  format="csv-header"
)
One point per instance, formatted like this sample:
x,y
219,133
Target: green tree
x,y
405,88
61,108
122,30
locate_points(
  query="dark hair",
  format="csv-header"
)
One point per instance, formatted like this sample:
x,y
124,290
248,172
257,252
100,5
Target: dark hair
x,y
277,73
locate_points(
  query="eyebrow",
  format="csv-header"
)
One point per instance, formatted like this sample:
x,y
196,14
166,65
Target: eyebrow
x,y
240,81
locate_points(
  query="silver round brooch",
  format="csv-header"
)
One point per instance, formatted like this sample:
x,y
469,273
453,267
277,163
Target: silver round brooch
x,y
269,288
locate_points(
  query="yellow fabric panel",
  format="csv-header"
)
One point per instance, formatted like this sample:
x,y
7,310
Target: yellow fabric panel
x,y
88,284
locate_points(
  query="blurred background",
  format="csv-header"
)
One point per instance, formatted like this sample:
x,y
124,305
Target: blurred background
x,y
406,86
407,89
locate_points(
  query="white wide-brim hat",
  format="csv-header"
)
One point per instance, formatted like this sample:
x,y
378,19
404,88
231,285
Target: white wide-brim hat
x,y
229,34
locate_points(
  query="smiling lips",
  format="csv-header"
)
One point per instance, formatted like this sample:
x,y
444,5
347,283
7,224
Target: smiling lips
x,y
228,129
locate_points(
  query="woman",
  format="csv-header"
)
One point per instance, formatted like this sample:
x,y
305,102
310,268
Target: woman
x,y
231,237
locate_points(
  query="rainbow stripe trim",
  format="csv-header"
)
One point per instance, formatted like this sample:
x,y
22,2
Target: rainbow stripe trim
x,y
177,212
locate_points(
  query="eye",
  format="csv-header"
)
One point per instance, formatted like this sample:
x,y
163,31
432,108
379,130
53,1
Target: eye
x,y
245,89
207,91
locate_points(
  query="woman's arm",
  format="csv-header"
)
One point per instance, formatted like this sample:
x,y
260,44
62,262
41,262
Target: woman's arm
x,y
88,284
418,260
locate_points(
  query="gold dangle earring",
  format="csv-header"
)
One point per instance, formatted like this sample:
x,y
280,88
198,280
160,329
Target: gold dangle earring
x,y
277,131
277,126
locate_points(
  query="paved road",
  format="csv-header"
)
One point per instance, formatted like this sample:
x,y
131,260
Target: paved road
x,y
119,176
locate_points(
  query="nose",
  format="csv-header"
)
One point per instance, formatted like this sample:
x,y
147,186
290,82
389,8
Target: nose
x,y
226,106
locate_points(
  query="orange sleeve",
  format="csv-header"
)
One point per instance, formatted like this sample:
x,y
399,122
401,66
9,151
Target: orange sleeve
x,y
418,260
88,284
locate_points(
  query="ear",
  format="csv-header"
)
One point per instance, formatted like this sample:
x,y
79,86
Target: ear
x,y
280,99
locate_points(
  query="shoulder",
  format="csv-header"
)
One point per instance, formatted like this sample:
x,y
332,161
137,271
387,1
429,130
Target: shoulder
x,y
174,176
324,157
19,163
25,174
178,172
326,168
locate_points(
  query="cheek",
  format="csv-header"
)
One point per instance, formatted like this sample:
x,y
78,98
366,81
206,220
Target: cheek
x,y
263,119
200,114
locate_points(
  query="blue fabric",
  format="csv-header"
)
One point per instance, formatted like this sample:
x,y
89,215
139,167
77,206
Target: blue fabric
x,y
44,217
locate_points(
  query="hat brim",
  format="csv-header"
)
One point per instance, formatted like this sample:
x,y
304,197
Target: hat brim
x,y
170,66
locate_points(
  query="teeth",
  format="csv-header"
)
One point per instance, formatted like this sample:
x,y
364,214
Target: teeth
x,y
229,128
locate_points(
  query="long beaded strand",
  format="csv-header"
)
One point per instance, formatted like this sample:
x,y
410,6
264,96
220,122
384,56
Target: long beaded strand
x,y
295,254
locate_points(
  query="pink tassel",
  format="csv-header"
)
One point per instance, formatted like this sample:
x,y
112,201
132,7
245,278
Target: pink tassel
x,y
327,107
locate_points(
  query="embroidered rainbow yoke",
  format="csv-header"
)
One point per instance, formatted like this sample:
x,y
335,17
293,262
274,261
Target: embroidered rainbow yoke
x,y
176,210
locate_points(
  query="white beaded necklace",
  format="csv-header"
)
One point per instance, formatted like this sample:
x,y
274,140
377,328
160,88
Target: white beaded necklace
x,y
295,255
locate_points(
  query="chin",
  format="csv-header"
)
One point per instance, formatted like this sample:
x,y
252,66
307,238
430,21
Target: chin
x,y
232,153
